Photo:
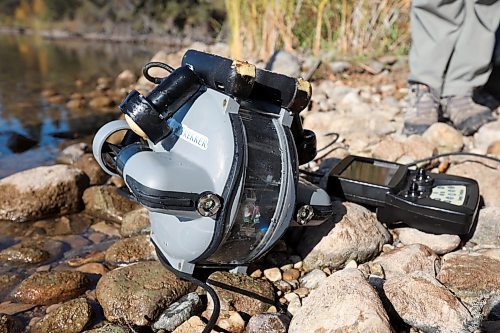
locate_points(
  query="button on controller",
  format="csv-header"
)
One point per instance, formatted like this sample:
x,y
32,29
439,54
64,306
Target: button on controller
x,y
423,181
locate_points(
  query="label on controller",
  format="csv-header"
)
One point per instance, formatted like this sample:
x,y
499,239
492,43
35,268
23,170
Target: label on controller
x,y
452,194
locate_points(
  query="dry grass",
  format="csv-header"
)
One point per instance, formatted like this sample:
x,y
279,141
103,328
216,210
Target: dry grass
x,y
340,27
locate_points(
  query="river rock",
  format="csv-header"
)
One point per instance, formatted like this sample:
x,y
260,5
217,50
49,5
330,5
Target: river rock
x,y
72,153
70,317
444,137
101,102
418,148
284,63
9,324
487,231
273,274
424,303
18,142
89,165
33,251
41,192
494,148
8,282
125,79
231,321
135,222
44,288
344,302
470,275
242,293
192,325
440,244
388,149
104,201
178,312
138,293
312,279
487,177
107,327
75,104
338,67
291,274
129,250
268,323
408,259
487,134
352,234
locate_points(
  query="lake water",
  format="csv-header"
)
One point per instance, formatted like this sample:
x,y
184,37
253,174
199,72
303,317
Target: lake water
x,y
30,65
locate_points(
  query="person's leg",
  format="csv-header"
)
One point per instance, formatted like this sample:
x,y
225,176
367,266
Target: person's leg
x,y
470,65
435,27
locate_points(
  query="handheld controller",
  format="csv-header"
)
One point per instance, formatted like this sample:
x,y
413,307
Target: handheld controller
x,y
435,203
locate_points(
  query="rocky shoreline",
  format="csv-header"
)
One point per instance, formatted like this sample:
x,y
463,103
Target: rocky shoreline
x,y
75,255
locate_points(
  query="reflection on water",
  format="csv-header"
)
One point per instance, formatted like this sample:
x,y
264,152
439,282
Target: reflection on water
x,y
28,65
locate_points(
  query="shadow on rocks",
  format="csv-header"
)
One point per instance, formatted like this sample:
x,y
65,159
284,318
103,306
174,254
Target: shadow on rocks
x,y
294,235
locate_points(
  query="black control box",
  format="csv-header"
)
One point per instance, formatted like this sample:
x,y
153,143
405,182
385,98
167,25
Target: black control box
x,y
434,203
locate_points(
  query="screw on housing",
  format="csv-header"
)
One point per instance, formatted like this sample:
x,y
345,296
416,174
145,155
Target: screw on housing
x,y
208,204
305,214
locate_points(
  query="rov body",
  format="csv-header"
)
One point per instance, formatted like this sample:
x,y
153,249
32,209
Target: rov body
x,y
213,154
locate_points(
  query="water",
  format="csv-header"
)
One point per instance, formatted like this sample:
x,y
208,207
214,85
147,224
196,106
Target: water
x,y
29,65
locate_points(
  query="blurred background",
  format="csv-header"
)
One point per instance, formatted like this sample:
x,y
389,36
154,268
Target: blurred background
x,y
60,60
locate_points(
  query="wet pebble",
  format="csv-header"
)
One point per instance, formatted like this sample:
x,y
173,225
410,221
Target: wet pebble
x,y
136,294
69,317
9,324
255,296
45,288
104,201
291,274
129,250
135,222
273,274
40,192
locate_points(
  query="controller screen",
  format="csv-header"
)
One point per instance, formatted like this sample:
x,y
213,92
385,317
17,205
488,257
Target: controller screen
x,y
452,194
377,173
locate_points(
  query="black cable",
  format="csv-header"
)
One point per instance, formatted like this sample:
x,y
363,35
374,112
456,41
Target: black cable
x,y
216,311
185,276
149,65
337,135
311,173
453,154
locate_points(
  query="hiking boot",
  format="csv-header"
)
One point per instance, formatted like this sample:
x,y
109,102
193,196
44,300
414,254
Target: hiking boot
x,y
423,109
466,115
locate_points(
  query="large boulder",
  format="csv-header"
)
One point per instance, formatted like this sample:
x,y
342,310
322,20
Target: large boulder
x,y
138,293
344,302
424,303
352,234
41,192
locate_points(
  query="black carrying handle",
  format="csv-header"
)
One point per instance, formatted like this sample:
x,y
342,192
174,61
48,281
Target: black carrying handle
x,y
243,80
